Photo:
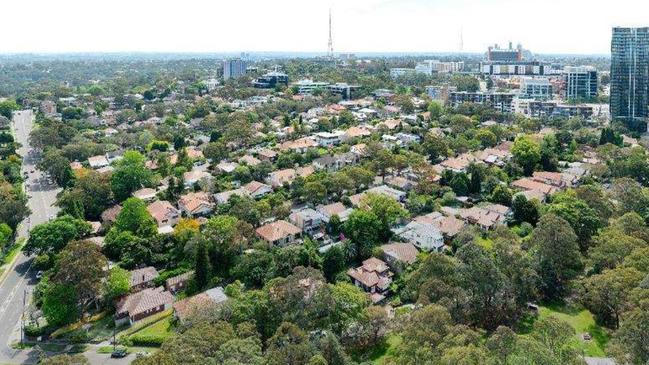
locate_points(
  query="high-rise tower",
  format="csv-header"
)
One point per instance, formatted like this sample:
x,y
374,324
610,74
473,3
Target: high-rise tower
x,y
330,46
630,77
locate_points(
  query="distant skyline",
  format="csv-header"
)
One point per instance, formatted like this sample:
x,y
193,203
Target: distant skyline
x,y
549,26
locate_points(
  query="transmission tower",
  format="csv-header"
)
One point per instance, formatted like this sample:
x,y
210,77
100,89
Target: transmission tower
x,y
330,47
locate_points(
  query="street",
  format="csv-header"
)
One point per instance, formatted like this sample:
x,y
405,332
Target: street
x,y
20,280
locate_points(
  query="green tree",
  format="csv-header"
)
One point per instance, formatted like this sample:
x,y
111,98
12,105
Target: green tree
x,y
289,346
435,109
501,195
630,341
526,153
460,184
52,236
582,218
130,174
201,266
81,266
60,305
607,294
117,283
557,255
386,210
135,218
333,262
435,146
525,210
7,107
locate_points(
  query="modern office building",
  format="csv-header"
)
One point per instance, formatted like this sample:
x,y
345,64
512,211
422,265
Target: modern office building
x,y
580,83
430,67
552,109
514,68
270,80
536,88
511,54
345,90
630,77
308,86
499,101
233,69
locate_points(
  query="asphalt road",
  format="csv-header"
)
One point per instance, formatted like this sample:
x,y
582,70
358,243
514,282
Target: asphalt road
x,y
19,282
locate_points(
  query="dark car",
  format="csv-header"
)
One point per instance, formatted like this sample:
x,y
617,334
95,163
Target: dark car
x,y
118,353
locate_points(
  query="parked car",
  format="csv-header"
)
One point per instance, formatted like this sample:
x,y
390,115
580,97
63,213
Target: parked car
x,y
119,353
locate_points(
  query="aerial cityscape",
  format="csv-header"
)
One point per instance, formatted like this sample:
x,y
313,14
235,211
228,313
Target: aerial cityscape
x,y
332,198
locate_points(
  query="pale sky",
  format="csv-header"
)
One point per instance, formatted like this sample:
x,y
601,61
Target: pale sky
x,y
542,26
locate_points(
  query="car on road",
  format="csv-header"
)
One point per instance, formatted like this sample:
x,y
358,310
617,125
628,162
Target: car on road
x,y
39,274
118,353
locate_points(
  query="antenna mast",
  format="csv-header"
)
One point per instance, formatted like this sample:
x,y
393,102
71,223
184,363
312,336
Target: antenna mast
x,y
330,47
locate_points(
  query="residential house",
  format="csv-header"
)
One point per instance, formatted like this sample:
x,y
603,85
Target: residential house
x,y
308,220
456,164
374,277
191,178
329,139
399,255
336,162
408,138
337,209
249,160
424,236
143,304
400,182
164,213
280,177
267,155
97,162
178,282
142,278
110,215
494,156
226,167
390,124
549,178
448,225
356,132
393,193
540,189
146,194
199,302
195,204
224,196
299,145
257,190
487,216
279,233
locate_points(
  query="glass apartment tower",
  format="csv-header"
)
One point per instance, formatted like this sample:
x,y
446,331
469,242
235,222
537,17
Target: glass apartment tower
x,y
630,77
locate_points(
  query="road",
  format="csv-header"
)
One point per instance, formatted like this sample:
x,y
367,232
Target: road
x,y
20,280
19,283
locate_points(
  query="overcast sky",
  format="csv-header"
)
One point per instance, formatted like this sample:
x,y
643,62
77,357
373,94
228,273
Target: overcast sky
x,y
542,26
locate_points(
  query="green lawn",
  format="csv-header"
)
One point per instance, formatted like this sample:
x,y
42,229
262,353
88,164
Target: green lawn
x,y
377,354
581,320
161,328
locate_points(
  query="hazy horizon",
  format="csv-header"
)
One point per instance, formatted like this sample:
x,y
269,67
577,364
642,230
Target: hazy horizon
x,y
577,27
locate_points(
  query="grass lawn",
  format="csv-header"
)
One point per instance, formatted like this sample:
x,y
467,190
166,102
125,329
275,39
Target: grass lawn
x,y
378,353
486,243
581,320
161,328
